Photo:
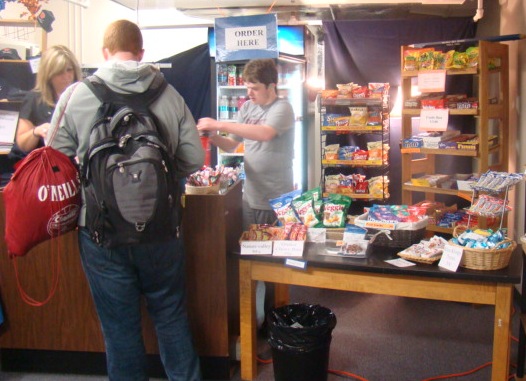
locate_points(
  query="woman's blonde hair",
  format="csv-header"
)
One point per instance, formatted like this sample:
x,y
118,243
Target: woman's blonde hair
x,y
55,60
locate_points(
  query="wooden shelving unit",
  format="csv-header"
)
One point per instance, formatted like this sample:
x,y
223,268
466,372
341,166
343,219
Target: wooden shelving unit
x,y
491,87
27,24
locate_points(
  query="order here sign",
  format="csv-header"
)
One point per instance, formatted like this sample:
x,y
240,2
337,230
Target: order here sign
x,y
246,37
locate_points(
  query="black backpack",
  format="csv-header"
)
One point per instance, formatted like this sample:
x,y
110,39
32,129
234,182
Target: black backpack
x,y
131,191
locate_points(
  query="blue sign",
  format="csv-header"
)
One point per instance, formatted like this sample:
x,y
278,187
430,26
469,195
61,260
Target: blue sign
x,y
246,37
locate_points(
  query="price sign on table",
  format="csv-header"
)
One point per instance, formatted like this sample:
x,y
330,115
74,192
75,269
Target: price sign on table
x,y
451,257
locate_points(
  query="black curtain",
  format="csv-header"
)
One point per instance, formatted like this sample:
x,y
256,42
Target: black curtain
x,y
190,75
363,51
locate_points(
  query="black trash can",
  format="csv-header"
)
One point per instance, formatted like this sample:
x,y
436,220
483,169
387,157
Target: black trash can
x,y
300,338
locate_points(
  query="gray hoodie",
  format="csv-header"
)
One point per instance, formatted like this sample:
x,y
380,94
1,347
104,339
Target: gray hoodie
x,y
77,107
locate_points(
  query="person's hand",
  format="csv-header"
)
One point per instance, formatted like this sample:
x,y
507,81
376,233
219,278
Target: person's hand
x,y
41,130
207,125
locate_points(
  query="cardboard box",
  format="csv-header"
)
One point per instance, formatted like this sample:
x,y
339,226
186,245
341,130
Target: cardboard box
x,y
429,180
464,181
412,143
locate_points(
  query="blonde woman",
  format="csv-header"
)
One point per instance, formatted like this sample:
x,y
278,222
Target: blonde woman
x,y
57,70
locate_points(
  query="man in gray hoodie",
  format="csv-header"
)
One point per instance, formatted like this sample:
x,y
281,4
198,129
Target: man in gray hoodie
x,y
118,277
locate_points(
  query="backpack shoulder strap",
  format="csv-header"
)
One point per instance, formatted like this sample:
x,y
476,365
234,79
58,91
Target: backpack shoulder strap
x,y
106,95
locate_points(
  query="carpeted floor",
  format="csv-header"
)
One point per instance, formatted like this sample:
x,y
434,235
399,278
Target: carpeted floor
x,y
384,338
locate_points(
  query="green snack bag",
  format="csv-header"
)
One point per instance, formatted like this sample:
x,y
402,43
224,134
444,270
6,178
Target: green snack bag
x,y
335,211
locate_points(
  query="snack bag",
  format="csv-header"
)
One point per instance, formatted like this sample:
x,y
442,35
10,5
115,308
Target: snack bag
x,y
304,208
359,116
473,56
282,207
426,59
335,211
330,152
460,60
411,60
439,60
448,59
332,183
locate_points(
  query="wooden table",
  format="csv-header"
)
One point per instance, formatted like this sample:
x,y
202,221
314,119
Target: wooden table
x,y
373,275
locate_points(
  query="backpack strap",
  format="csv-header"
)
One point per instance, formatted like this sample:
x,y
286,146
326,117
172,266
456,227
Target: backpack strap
x,y
106,95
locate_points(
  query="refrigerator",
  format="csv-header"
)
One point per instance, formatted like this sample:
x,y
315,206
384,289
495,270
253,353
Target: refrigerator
x,y
230,94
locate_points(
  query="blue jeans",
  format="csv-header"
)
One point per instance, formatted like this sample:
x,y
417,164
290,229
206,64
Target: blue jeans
x,y
118,278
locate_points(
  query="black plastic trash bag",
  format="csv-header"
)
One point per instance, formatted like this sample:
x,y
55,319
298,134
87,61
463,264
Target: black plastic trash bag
x,y
300,337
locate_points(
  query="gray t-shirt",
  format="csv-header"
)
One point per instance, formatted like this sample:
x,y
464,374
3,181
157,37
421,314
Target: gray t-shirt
x,y
268,165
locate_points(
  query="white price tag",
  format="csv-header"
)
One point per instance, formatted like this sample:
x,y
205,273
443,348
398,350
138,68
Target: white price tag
x,y
295,263
8,124
431,81
434,119
256,247
451,257
400,262
34,64
288,248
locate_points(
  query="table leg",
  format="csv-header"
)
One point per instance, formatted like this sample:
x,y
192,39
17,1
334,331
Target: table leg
x,y
247,306
281,294
501,332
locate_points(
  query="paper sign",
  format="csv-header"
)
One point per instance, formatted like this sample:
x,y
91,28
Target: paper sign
x,y
256,247
432,81
242,38
434,119
8,123
400,262
253,37
295,263
410,150
451,257
288,248
380,225
34,64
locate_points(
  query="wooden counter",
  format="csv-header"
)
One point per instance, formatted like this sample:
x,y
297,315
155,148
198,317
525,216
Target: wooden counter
x,y
68,325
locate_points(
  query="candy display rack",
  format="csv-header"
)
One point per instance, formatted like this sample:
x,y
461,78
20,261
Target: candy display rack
x,y
490,195
338,127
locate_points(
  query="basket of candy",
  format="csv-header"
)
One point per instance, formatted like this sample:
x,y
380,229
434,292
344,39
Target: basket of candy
x,y
202,189
397,226
210,181
426,251
483,249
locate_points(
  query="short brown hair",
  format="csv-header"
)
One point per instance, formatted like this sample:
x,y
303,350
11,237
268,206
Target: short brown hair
x,y
123,36
262,71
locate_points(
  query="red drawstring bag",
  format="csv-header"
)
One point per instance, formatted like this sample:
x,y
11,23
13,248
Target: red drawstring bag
x,y
42,201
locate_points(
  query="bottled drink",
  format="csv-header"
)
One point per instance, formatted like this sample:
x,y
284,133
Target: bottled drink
x,y
231,75
233,108
242,99
222,75
239,79
223,108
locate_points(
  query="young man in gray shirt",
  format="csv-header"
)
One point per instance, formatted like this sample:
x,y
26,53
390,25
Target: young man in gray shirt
x,y
265,125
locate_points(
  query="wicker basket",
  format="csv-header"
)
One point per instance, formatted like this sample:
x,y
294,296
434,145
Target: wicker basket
x,y
406,233
212,189
523,243
396,238
412,258
484,259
